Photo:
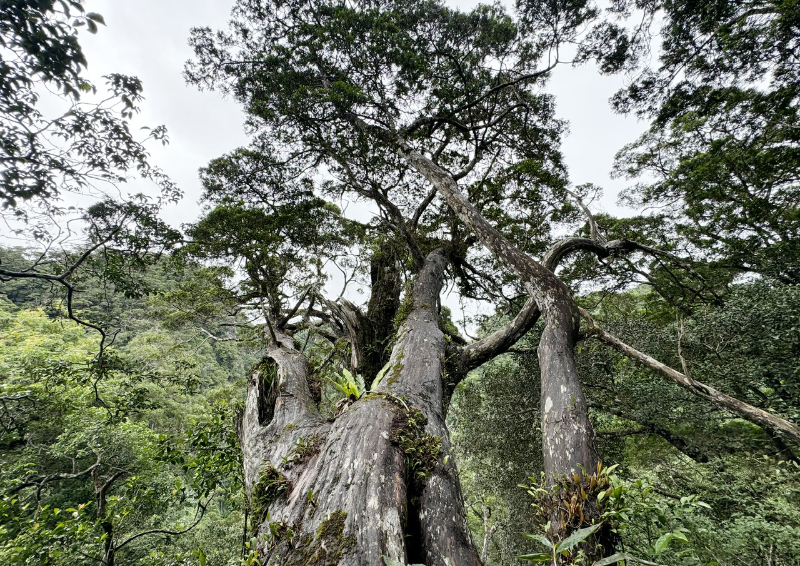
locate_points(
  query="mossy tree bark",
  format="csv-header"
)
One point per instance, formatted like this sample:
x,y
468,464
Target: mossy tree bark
x,y
376,481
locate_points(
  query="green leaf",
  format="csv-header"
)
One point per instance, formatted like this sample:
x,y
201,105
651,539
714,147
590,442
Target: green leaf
x,y
540,539
663,542
95,17
346,388
680,536
576,538
351,386
348,377
380,375
608,470
613,559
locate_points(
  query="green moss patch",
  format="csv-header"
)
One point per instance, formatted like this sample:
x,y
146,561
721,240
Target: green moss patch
x,y
421,450
303,451
327,548
270,486
405,308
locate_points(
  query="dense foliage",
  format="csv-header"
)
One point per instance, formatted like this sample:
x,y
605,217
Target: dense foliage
x,y
721,154
96,452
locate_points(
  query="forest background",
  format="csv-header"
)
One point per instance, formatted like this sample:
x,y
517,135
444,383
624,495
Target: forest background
x,y
126,346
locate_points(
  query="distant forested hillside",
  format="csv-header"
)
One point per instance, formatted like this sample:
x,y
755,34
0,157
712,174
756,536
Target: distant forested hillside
x,y
131,446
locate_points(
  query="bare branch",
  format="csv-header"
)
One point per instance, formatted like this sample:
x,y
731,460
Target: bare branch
x,y
282,322
684,365
772,423
40,481
477,353
201,511
421,208
594,233
505,337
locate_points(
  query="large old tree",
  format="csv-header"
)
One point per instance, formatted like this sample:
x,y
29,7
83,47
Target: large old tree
x,y
435,119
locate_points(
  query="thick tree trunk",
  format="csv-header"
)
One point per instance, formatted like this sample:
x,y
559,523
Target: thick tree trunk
x,y
371,483
567,435
568,439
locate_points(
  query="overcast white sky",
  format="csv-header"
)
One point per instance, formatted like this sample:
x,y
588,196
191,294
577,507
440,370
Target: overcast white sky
x,y
148,39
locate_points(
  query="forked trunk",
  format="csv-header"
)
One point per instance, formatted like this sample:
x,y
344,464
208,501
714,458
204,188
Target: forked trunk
x,y
567,435
566,431
371,483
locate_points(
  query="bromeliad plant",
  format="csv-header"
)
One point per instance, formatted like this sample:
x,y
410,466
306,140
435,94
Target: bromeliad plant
x,y
350,385
353,386
587,506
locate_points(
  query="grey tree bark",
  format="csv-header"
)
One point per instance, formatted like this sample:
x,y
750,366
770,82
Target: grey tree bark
x,y
568,439
377,480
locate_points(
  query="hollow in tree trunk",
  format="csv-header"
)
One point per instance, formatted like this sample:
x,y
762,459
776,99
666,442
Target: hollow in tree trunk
x,y
377,480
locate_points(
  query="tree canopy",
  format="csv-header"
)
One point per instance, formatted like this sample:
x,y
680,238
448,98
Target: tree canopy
x,y
721,151
42,155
